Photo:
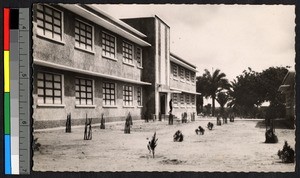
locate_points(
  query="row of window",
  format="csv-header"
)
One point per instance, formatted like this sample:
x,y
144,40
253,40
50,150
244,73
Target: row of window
x,y
183,99
182,74
49,22
49,90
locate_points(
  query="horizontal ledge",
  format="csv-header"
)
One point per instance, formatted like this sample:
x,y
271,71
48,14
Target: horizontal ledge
x,y
107,106
128,106
139,106
84,50
110,58
126,63
84,106
52,105
72,69
49,38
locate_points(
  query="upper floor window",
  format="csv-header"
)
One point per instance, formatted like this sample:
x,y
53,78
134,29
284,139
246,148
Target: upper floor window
x,y
127,95
193,77
108,45
127,52
49,22
108,90
175,70
139,56
49,88
83,91
139,96
182,73
187,75
83,35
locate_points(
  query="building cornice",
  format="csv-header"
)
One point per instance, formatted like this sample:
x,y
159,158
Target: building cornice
x,y
120,28
72,69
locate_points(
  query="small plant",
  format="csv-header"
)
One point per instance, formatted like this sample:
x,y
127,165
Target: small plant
x,y
210,126
200,131
128,123
88,129
152,144
102,125
286,154
270,136
68,123
36,146
219,120
178,136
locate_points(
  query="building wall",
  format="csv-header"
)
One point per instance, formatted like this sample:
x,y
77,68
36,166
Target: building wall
x,y
184,84
53,116
67,54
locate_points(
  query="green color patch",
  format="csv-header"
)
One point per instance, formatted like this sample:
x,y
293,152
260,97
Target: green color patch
x,y
7,113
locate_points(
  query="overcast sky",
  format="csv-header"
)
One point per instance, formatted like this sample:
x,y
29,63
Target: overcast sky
x,y
228,37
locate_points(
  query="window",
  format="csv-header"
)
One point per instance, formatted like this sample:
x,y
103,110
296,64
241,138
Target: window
x,y
127,52
49,22
139,57
175,70
187,75
187,99
127,95
83,35
139,96
193,100
108,45
108,90
49,88
193,77
181,99
174,98
84,91
182,73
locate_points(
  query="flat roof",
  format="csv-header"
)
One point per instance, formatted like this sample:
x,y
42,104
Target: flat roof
x,y
182,60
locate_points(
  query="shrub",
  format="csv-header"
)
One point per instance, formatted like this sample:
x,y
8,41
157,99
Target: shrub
x,y
178,136
200,131
286,154
270,136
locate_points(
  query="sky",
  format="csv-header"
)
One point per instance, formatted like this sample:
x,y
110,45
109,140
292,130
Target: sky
x,y
226,37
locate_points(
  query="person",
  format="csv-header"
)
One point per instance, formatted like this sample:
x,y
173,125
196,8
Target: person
x,y
171,107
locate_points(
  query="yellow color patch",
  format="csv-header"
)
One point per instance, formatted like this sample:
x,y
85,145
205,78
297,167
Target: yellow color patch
x,y
6,72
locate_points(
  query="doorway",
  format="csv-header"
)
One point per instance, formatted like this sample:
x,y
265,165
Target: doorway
x,y
163,98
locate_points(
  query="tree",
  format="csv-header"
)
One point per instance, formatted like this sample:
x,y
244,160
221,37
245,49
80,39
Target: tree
x,y
201,82
222,99
250,89
214,83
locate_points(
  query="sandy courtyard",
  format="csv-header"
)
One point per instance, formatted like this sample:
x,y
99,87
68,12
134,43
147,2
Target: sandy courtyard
x,y
234,146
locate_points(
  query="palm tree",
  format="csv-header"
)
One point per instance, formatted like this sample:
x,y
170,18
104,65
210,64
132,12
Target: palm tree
x,y
215,83
222,99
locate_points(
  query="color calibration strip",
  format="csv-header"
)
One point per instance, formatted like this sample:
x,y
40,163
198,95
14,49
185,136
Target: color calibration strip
x,y
7,134
16,91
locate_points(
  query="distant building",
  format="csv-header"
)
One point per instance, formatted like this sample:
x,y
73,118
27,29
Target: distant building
x,y
88,63
288,89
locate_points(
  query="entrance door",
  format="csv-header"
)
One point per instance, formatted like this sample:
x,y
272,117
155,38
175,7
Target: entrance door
x,y
163,103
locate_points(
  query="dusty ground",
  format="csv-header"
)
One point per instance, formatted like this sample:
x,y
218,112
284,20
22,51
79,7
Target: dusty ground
x,y
234,146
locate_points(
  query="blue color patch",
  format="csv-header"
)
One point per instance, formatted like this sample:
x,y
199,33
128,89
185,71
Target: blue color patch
x,y
7,154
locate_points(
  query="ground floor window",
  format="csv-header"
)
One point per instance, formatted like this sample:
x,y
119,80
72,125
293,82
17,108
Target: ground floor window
x,y
193,100
139,96
49,88
187,99
181,99
108,90
175,99
83,91
127,95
